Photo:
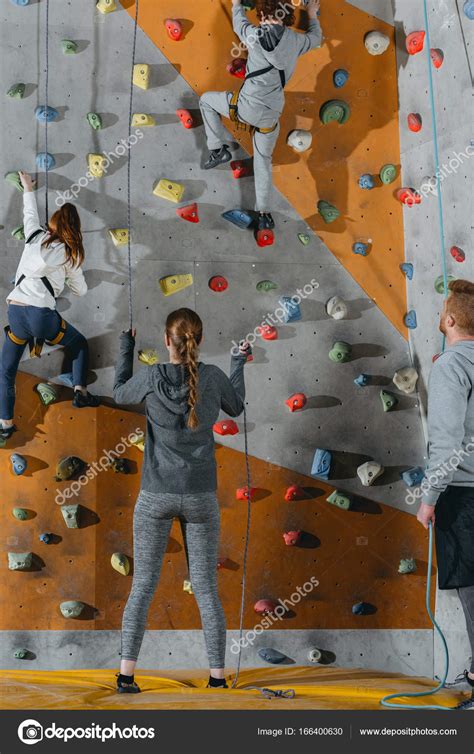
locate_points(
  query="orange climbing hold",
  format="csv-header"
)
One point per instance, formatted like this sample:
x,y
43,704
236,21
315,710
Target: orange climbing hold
x,y
243,493
241,168
268,332
218,284
292,538
294,493
265,238
296,402
415,42
174,29
226,427
189,213
415,122
185,117
408,196
237,68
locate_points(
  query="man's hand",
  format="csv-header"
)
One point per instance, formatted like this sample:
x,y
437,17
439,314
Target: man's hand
x,y
426,513
26,181
313,8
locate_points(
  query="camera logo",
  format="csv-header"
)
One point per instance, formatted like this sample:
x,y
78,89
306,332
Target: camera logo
x,y
30,732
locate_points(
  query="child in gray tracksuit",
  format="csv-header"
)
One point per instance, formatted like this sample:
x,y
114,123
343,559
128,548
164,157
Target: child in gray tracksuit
x,y
273,52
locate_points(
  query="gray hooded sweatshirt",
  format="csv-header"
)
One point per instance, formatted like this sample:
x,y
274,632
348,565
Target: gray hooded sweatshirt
x,y
178,460
450,422
274,45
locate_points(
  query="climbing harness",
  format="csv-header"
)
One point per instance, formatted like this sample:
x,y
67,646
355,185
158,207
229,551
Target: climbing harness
x,y
36,344
129,167
233,106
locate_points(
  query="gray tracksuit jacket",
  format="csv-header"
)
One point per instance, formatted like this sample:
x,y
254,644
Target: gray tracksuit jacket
x,y
450,422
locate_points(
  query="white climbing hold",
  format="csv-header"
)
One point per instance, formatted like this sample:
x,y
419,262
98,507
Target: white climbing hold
x,y
370,471
405,379
300,140
376,42
337,308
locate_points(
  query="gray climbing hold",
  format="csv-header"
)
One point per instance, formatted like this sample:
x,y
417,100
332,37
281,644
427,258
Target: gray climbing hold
x,y
340,352
370,471
18,233
45,161
17,91
407,565
21,654
71,608
14,179
389,400
315,655
335,109
68,467
120,563
264,286
388,173
273,656
69,47
95,121
405,379
337,308
71,515
340,500
20,513
328,212
20,561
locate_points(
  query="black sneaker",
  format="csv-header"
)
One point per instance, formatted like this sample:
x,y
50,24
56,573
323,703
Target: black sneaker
x,y
215,683
265,221
85,401
217,157
6,432
467,704
126,688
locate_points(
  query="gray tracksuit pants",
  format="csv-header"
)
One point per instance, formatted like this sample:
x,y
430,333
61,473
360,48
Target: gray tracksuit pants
x,y
215,104
200,519
466,595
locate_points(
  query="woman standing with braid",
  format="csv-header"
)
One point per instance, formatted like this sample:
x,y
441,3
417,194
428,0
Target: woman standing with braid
x,y
183,399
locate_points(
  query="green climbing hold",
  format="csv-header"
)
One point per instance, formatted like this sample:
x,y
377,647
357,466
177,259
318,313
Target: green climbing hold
x,y
95,121
20,561
335,109
439,283
328,212
21,654
20,513
120,563
17,91
266,285
19,233
339,500
47,393
407,565
14,179
71,608
68,467
304,238
71,515
388,173
340,352
389,400
69,47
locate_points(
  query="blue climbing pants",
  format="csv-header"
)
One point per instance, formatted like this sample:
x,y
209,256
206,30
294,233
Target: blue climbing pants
x,y
28,322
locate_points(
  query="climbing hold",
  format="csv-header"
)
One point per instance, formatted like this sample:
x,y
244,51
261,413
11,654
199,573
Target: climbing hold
x,y
409,196
189,213
265,237
19,464
119,236
69,47
361,248
71,608
106,6
166,189
16,91
304,238
337,308
185,117
339,500
315,655
340,78
174,283
268,332
139,443
21,654
362,380
407,269
237,68
388,173
243,493
120,563
95,121
241,168
335,109
264,286
20,2
457,254
218,284
174,29
340,352
321,466
361,608
20,561
120,466
265,607
187,586
148,356
68,467
407,565
405,379
413,477
47,393
389,401
410,320
141,75
292,538
415,122
14,179
300,140
415,42
238,217
273,656
46,538
437,57
18,233
366,181
376,42
45,161
469,9
294,493
296,402
143,119
71,515
369,471
439,283
328,212
292,310
96,164
226,427
20,513
43,114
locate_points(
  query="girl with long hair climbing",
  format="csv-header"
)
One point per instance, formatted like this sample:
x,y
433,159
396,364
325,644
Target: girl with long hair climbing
x,y
273,52
183,399
52,258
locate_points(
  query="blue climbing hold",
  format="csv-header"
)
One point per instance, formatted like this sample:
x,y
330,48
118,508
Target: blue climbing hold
x,y
366,181
469,9
413,477
20,2
361,608
321,464
362,380
407,269
273,656
340,78
238,217
410,320
19,464
46,538
361,248
292,310
43,114
45,161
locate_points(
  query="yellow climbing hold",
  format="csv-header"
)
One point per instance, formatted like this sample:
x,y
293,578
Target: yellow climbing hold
x,y
142,119
141,75
187,586
148,356
96,163
120,563
119,236
139,442
174,283
106,6
168,190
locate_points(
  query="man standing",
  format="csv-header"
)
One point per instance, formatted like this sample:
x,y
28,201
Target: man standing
x,y
448,500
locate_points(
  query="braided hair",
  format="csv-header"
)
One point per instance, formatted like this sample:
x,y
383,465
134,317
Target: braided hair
x,y
184,331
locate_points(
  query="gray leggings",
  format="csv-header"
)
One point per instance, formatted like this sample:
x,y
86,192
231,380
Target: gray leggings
x,y
466,595
200,519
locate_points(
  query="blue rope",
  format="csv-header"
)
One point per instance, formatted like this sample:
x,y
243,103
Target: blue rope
x,y
46,98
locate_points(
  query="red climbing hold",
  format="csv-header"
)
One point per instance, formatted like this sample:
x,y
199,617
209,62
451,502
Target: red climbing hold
x,y
243,493
293,493
437,57
265,607
292,538
415,122
238,68
189,213
186,118
408,196
221,563
174,29
241,168
296,402
218,284
415,42
265,237
457,254
268,332
226,427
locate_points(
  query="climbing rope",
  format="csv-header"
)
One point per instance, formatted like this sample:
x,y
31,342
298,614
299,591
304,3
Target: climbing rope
x,y
274,694
46,100
129,169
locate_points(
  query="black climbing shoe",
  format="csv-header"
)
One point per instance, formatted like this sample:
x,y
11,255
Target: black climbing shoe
x,y
217,157
126,684
265,221
85,401
466,704
6,432
217,683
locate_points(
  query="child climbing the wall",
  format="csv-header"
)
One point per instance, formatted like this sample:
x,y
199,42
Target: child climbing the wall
x,y
183,399
273,52
51,259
